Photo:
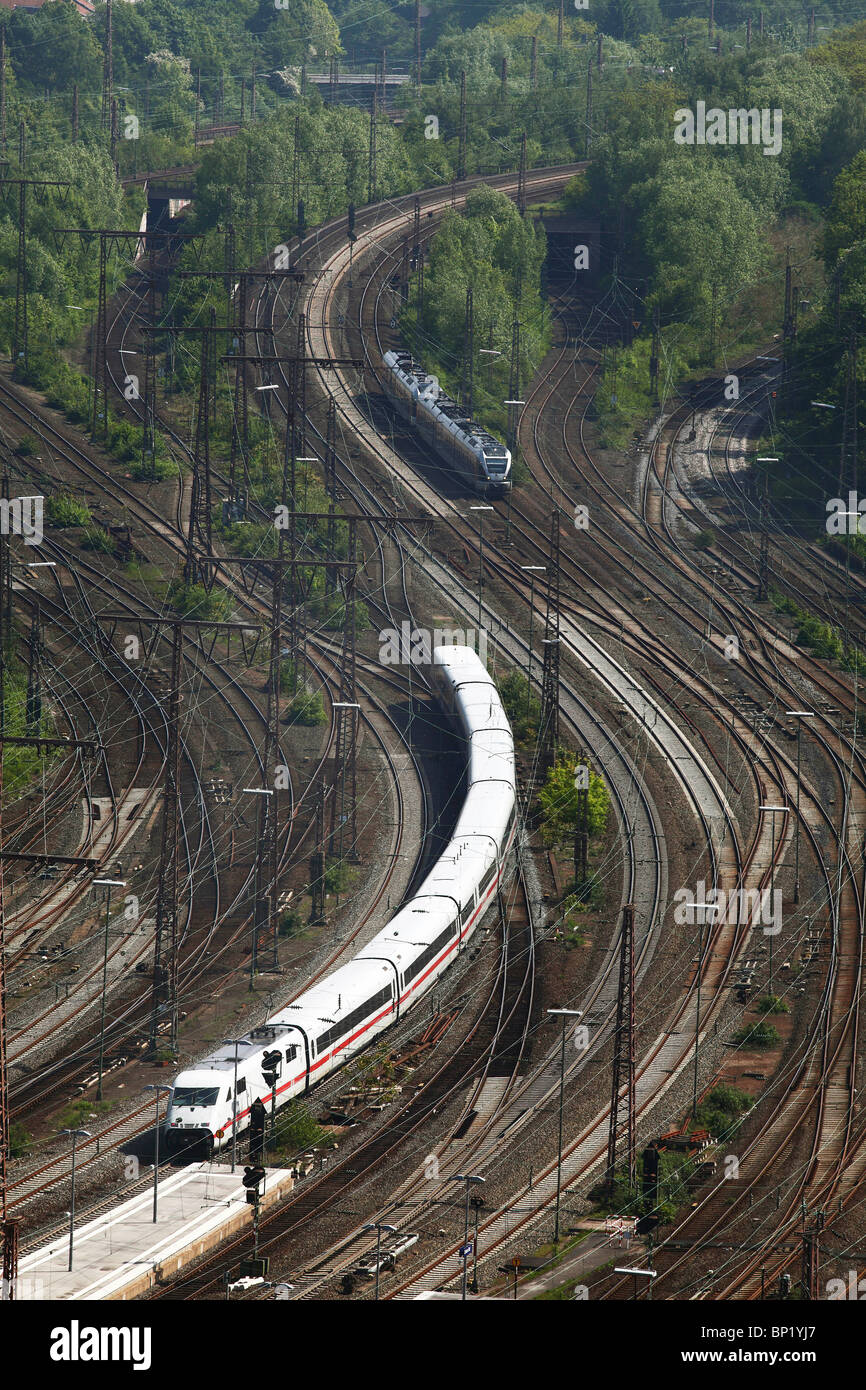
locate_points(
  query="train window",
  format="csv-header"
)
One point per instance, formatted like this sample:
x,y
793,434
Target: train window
x,y
291,1053
242,1085
195,1095
430,952
357,1015
229,1093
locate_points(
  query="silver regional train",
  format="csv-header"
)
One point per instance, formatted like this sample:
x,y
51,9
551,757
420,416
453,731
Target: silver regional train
x,y
482,461
343,1013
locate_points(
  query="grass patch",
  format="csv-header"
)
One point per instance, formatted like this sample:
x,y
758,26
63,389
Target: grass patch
x,y
20,1140
65,510
306,708
76,1114
722,1110
296,1130
193,601
756,1035
771,1004
95,538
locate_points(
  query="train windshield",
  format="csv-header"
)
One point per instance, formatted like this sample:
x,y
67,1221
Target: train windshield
x,y
195,1095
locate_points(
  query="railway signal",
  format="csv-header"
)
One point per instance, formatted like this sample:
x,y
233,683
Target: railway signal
x,y
258,1117
254,1176
272,1067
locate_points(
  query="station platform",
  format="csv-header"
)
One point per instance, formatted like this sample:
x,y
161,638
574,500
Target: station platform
x,y
122,1253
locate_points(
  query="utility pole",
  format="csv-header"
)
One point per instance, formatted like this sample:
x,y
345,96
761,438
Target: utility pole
x,y
788,328
345,735
5,604
811,1259
712,18
237,328
581,835
371,165
655,354
416,234
330,467
599,50
588,141
624,1062
533,65
764,552
110,237
20,339
107,70
112,147
344,807
466,392
296,169
33,716
461,146
503,81
565,1015
799,715
521,178
418,47
317,862
848,470
3,91
549,723
166,942
8,1226
514,389
166,933
199,524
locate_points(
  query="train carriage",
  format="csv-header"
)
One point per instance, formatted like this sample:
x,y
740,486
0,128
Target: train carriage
x,y
343,1013
481,460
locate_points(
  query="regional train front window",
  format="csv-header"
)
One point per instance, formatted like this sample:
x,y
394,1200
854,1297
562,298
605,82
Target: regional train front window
x,y
195,1095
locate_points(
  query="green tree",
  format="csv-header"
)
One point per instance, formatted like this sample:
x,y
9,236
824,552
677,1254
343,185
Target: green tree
x,y
559,800
53,48
846,216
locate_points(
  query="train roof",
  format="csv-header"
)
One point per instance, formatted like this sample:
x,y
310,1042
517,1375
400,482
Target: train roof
x,y
463,664
417,924
428,387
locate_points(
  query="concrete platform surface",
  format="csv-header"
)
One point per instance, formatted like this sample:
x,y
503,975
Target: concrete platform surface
x,y
122,1253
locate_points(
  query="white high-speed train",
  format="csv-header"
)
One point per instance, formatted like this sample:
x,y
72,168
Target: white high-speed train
x,y
343,1013
479,458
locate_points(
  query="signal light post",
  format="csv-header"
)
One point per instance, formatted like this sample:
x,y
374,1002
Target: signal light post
x,y
799,715
531,570
254,1176
773,811
76,1134
564,1014
481,510
159,1090
469,1179
272,1068
235,1043
107,883
378,1227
